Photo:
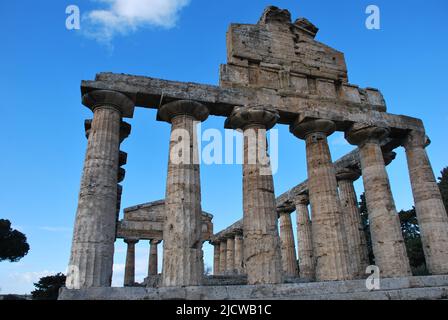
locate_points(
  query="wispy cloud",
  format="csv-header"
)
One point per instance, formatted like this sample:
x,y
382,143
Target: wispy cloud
x,y
120,17
55,229
30,277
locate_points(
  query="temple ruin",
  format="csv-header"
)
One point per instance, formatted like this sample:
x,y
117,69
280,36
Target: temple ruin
x,y
276,74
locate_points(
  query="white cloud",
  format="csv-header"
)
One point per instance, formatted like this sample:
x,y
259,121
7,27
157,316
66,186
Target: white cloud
x,y
55,229
30,277
124,16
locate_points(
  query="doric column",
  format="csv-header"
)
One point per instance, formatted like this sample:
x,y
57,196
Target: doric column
x,y
216,257
239,258
304,238
119,194
230,259
125,131
387,240
153,260
182,244
129,269
91,258
122,160
222,256
260,225
356,239
431,212
328,236
288,248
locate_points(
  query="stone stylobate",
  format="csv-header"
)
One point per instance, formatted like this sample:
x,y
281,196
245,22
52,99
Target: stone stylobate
x,y
261,240
182,243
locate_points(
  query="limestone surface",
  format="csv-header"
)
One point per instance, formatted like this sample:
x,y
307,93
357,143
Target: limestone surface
x,y
387,239
182,243
329,247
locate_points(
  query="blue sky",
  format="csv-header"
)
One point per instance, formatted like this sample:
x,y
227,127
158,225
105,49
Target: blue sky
x,y
43,143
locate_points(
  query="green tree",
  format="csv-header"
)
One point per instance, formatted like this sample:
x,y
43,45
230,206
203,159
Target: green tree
x,y
413,241
48,287
13,245
411,236
366,226
443,186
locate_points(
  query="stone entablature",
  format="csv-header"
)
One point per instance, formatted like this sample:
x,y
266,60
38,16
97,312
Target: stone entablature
x,y
145,222
236,228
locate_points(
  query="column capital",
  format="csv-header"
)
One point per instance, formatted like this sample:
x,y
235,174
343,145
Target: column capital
x,y
360,133
182,107
239,235
125,130
155,241
87,127
302,128
121,174
350,174
229,235
122,158
389,157
416,139
130,240
246,116
302,199
286,207
109,98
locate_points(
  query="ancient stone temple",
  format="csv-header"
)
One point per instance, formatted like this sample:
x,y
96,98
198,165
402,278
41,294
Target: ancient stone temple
x,y
276,74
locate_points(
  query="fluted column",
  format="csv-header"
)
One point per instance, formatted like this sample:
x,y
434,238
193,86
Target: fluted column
x,y
356,239
182,244
222,256
431,212
239,259
91,258
125,130
329,242
288,248
216,258
230,259
304,238
387,240
153,260
260,225
129,269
